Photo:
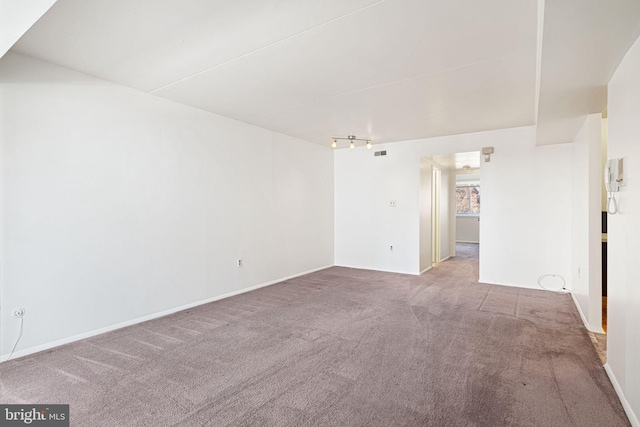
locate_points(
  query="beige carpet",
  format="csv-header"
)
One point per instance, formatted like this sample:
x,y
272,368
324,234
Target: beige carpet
x,y
340,347
599,342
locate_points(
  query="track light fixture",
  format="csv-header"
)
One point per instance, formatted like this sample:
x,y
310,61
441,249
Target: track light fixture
x,y
352,141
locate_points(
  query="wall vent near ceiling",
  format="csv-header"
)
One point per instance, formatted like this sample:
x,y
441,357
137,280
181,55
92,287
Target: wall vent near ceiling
x,y
380,153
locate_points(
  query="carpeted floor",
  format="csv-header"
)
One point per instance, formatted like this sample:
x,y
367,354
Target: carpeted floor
x,y
599,342
340,347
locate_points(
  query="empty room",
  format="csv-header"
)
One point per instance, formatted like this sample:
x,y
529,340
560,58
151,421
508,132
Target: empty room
x,y
319,213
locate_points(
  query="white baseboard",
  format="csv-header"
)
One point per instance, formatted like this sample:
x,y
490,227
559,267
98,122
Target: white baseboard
x,y
378,269
633,419
466,241
486,281
445,258
426,269
582,316
77,337
597,330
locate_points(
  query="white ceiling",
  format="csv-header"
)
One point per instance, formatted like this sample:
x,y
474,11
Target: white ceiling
x,y
583,44
388,70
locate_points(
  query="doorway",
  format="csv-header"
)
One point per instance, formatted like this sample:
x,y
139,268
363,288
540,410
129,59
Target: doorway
x,y
435,213
604,149
436,222
457,185
468,206
440,207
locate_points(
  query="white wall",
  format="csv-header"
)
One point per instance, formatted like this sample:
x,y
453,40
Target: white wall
x,y
623,339
526,222
445,214
426,176
468,229
120,205
526,213
471,177
365,225
586,252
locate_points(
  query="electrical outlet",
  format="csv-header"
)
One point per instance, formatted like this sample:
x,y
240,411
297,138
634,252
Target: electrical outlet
x,y
578,272
18,312
392,204
239,262
391,247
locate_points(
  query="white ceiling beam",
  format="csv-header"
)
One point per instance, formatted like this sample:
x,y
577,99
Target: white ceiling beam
x,y
583,43
16,17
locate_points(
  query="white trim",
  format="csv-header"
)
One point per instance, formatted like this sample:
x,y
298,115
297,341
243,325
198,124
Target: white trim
x,y
584,318
57,343
427,269
633,419
377,269
466,241
444,259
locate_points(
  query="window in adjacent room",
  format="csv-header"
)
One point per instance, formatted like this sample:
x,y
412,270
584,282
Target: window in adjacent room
x,y
467,200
